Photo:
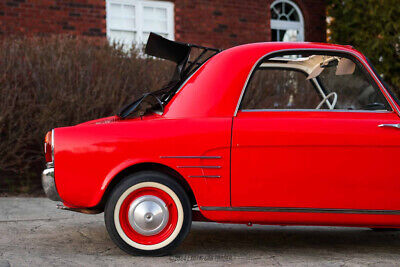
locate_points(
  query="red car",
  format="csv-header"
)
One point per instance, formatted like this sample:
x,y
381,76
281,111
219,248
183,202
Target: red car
x,y
264,133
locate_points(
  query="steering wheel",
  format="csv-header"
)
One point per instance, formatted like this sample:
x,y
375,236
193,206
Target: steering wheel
x,y
326,98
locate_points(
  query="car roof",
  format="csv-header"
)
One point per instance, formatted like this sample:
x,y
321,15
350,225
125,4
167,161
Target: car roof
x,y
214,89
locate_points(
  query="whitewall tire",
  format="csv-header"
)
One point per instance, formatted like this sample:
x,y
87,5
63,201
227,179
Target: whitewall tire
x,y
148,213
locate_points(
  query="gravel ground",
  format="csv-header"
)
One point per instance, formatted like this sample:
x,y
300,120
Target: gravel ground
x,y
33,232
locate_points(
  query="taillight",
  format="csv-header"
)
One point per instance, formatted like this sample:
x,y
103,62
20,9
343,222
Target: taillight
x,y
48,147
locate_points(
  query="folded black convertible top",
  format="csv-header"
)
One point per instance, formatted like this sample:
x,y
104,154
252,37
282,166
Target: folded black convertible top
x,y
161,47
158,46
177,52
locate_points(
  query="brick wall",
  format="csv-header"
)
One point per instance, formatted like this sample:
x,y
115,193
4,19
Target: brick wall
x,y
222,23
219,23
226,23
77,17
314,13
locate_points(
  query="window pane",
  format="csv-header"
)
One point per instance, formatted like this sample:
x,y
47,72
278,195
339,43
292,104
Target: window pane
x,y
160,13
155,26
294,16
115,10
274,35
155,19
121,17
280,89
147,12
128,11
281,34
122,37
355,91
122,24
285,12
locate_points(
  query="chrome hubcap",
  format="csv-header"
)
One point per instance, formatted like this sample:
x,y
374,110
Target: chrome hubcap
x,y
148,215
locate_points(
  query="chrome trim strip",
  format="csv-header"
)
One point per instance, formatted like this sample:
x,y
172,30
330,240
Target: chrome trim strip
x,y
190,157
203,167
385,93
204,176
317,110
397,125
303,210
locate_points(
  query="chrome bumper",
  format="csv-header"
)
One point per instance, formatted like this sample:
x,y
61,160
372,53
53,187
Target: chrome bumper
x,y
49,184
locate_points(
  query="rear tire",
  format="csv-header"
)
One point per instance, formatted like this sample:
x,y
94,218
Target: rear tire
x,y
148,214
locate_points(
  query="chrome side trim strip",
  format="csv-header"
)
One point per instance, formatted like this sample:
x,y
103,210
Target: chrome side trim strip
x,y
190,157
204,176
203,167
303,210
364,63
316,110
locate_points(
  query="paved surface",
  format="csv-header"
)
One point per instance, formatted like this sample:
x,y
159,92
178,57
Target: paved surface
x,y
33,232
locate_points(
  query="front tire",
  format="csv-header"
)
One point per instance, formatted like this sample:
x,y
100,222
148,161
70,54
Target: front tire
x,y
148,213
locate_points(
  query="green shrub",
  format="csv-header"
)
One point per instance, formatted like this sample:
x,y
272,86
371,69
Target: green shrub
x,y
372,27
59,81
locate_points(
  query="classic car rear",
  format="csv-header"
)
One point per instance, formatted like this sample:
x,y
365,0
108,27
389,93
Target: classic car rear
x,y
267,133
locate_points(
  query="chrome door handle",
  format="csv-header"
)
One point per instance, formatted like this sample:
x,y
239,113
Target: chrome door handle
x,y
390,125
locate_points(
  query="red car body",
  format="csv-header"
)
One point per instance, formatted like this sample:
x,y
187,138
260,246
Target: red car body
x,y
283,167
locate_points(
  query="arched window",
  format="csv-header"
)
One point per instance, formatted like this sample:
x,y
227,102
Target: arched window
x,y
287,23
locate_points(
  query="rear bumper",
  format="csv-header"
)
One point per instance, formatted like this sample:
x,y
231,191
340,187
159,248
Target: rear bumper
x,y
49,183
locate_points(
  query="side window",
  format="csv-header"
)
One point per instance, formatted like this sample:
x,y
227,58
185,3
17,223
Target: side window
x,y
355,91
272,88
313,81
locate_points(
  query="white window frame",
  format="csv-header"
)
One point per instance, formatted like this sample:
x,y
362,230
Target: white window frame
x,y
139,7
289,25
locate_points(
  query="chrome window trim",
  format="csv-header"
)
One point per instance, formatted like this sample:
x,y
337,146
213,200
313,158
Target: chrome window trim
x,y
365,64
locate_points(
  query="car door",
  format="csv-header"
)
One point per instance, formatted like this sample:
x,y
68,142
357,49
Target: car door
x,y
287,154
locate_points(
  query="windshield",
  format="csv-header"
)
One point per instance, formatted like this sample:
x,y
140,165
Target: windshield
x,y
392,91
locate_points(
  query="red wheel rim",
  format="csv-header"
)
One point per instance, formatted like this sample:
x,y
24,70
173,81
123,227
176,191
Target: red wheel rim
x,y
138,237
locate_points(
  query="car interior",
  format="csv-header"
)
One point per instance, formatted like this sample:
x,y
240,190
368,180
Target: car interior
x,y
330,82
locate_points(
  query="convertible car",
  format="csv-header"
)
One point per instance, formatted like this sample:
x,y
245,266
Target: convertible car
x,y
263,133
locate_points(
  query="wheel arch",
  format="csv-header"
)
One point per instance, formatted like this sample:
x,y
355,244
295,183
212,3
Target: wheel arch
x,y
147,166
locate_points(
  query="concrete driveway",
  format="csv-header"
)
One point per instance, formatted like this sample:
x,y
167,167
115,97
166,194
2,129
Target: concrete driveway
x,y
33,232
